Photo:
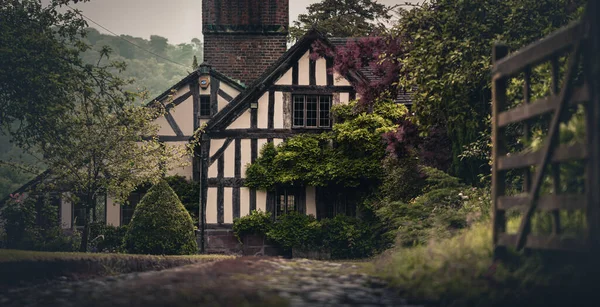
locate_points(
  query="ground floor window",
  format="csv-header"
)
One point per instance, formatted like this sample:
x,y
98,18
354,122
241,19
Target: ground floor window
x,y
287,199
127,210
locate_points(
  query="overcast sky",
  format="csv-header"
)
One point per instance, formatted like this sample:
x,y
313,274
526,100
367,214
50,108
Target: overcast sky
x,y
177,20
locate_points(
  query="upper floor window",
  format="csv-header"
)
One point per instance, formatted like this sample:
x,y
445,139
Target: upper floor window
x,y
204,106
312,111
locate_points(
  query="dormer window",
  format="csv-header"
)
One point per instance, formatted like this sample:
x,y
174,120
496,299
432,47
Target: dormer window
x,y
312,111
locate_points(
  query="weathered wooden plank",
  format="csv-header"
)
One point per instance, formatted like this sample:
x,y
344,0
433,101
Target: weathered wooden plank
x,y
545,203
540,107
562,153
551,242
550,145
499,86
540,51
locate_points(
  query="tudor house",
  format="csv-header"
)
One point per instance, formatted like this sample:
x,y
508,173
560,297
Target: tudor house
x,y
248,92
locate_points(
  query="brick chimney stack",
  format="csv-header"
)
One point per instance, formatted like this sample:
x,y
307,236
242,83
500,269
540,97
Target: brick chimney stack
x,y
242,38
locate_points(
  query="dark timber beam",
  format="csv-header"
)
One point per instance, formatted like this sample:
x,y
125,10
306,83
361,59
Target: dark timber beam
x,y
311,89
220,152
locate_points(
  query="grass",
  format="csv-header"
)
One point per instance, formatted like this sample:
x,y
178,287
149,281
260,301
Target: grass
x,y
460,272
22,267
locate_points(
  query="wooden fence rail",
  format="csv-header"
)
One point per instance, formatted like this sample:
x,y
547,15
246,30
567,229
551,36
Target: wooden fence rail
x,y
580,42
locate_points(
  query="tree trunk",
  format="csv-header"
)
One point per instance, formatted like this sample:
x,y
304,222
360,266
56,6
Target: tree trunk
x,y
86,231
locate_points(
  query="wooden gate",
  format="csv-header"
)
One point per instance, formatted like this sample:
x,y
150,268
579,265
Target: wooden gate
x,y
579,42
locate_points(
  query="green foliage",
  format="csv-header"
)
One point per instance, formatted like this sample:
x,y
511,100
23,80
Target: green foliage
x,y
443,207
257,222
342,18
105,238
31,223
188,193
296,230
345,237
349,237
447,47
348,156
161,225
402,180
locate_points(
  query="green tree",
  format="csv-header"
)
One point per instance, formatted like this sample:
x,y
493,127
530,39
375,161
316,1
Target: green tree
x,y
94,138
447,59
158,44
195,63
342,18
39,66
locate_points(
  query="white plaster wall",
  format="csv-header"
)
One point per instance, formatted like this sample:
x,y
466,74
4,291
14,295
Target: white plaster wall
x,y
277,142
244,201
278,111
113,212
184,116
211,206
338,80
321,71
221,102
261,201
261,143
311,203
263,111
215,145
246,157
228,205
228,89
344,98
229,156
303,67
165,128
65,212
213,170
180,92
242,122
286,79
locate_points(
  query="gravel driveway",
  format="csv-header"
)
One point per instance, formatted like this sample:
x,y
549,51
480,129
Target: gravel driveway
x,y
234,282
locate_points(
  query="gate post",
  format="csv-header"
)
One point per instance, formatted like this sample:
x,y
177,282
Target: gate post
x,y
499,85
592,62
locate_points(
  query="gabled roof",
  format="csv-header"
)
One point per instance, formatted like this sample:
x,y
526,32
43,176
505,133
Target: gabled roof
x,y
204,68
276,70
31,184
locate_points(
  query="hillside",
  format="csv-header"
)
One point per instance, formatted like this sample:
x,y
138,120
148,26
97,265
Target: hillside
x,y
150,72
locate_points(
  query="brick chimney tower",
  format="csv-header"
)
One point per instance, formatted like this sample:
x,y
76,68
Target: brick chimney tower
x,y
243,37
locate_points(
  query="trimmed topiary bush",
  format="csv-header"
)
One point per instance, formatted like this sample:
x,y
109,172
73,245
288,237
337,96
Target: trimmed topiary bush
x,y
161,225
256,223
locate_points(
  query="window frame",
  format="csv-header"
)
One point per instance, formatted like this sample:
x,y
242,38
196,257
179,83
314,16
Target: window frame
x,y
200,114
305,111
287,191
130,207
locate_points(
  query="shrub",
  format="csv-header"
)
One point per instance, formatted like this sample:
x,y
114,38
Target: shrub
x,y
257,222
161,225
106,238
297,230
31,223
188,193
348,237
444,206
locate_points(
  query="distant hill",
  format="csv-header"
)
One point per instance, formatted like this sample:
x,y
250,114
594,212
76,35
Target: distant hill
x,y
151,73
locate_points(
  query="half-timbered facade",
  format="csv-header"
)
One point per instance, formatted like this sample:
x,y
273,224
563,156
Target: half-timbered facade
x,y
286,93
